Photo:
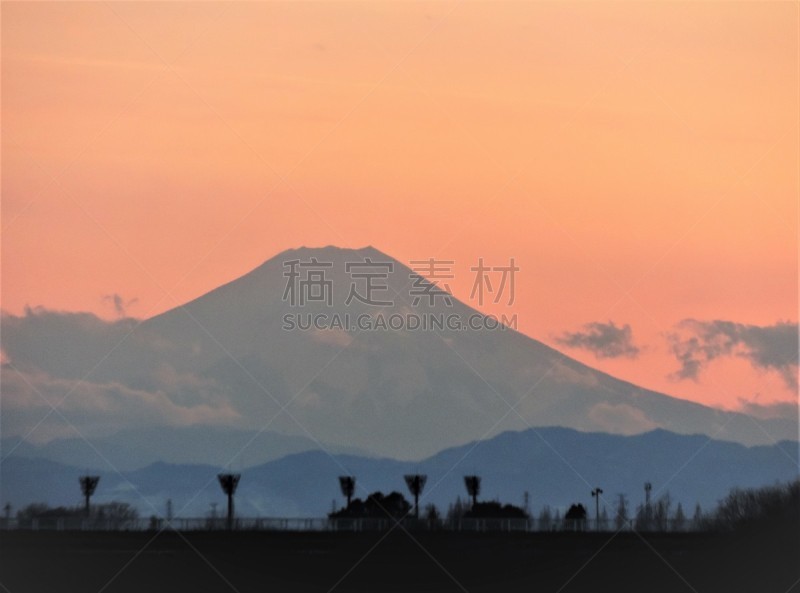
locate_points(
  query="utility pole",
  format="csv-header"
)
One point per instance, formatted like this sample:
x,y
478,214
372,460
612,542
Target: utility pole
x,y
647,512
596,493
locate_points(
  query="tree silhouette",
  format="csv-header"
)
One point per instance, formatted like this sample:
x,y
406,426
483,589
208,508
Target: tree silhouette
x,y
348,486
679,520
433,516
495,510
416,483
698,518
661,510
621,518
456,510
545,518
576,517
113,515
377,506
772,509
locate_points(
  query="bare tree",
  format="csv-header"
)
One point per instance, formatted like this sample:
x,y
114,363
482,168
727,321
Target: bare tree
x,y
775,508
661,513
545,518
456,510
433,516
698,520
679,520
621,518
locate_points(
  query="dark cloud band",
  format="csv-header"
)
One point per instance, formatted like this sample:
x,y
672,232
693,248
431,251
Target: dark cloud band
x,y
606,340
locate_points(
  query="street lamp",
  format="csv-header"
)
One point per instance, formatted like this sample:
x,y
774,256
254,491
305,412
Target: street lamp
x,y
229,482
88,486
596,494
473,484
416,483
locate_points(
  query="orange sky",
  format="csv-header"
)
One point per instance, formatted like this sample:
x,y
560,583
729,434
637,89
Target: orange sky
x,y
639,160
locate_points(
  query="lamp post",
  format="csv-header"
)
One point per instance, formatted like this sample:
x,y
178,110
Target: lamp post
x,y
647,488
473,484
348,486
229,482
416,483
596,493
88,486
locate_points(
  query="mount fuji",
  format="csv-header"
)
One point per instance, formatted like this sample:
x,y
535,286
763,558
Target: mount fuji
x,y
228,359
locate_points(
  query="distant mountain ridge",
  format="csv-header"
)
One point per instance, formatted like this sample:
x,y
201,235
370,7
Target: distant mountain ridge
x,y
134,449
556,466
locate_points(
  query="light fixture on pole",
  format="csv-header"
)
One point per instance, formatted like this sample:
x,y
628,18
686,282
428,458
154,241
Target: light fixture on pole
x,y
229,482
473,484
416,483
88,486
596,493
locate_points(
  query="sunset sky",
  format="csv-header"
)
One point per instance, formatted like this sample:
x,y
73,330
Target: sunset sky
x,y
640,161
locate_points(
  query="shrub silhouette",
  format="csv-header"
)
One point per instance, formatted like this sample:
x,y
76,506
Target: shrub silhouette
x,y
376,506
494,510
576,512
575,518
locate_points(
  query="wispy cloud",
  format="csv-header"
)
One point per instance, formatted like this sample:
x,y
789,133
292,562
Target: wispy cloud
x,y
695,344
605,340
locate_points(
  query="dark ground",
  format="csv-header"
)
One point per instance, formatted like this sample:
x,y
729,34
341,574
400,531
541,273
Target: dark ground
x,y
142,562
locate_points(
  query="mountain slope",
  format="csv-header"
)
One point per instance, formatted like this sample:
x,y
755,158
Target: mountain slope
x,y
225,357
406,393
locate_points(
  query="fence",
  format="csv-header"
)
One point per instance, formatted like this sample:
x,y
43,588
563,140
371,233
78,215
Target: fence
x,y
325,524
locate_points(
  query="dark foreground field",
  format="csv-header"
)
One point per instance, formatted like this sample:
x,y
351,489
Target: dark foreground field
x,y
43,562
